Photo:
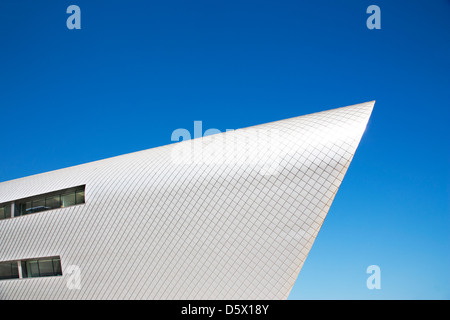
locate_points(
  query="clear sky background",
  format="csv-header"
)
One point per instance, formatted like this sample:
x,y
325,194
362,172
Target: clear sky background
x,y
137,70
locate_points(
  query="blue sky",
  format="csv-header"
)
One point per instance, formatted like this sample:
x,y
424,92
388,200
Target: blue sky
x,y
137,70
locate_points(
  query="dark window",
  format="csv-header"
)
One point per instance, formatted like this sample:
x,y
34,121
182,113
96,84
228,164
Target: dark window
x,y
68,200
79,196
57,266
46,268
9,270
24,269
32,268
53,200
43,267
37,205
5,211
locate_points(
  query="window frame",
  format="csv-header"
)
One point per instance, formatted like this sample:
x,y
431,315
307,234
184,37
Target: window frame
x,y
25,270
22,206
6,210
11,263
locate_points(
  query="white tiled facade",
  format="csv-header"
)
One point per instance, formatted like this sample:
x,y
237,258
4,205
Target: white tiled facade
x,y
188,220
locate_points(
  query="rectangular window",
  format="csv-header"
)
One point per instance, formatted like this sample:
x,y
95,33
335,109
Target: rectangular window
x,y
31,268
46,268
57,266
37,205
79,196
68,200
24,208
5,211
53,200
9,270
43,267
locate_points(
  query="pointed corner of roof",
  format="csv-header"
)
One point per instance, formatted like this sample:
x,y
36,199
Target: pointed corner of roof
x,y
365,108
371,104
368,104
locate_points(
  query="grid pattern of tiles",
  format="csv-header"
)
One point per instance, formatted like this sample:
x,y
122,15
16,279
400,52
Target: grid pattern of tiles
x,y
187,221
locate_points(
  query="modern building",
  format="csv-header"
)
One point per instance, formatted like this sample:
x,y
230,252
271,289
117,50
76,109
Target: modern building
x,y
226,216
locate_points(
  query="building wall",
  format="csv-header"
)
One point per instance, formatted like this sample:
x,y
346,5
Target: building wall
x,y
187,221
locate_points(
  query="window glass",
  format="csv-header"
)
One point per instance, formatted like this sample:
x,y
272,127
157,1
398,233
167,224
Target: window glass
x,y
41,267
37,205
14,269
57,267
21,209
25,207
5,211
5,270
33,268
8,211
9,270
80,197
45,268
53,202
24,269
68,199
17,209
